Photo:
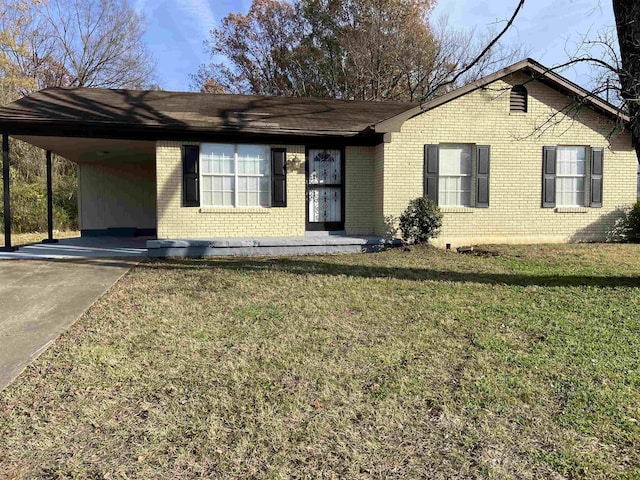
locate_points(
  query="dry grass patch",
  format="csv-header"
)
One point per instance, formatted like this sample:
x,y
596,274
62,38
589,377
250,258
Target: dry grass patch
x,y
422,364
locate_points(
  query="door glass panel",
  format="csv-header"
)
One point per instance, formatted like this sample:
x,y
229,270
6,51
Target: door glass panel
x,y
325,167
325,204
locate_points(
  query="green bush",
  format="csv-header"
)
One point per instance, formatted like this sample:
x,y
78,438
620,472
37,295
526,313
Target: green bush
x,y
420,221
629,225
633,222
29,204
65,202
28,207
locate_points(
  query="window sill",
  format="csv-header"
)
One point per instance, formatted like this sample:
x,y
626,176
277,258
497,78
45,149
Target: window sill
x,y
234,210
571,210
456,209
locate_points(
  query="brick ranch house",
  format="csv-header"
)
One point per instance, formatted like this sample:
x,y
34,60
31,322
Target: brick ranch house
x,y
522,155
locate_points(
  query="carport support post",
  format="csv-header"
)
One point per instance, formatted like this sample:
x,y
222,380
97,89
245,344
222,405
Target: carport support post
x,y
7,204
50,238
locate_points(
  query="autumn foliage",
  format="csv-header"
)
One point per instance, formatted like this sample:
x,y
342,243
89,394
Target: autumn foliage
x,y
350,49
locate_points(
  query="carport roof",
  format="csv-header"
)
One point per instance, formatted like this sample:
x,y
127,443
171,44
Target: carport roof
x,y
129,113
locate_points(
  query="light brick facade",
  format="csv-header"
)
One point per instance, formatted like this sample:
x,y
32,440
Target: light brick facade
x,y
359,190
516,140
176,221
381,180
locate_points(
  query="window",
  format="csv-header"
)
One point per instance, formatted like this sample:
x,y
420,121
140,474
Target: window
x,y
455,175
565,176
450,170
518,99
235,175
570,179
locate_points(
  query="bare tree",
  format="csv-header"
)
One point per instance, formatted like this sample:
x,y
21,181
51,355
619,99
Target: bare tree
x,y
85,43
353,49
98,43
454,63
465,58
385,44
613,57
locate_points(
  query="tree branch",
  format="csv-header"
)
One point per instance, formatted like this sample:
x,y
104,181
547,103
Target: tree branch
x,y
486,50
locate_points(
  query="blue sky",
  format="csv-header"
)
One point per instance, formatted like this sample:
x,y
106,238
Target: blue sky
x,y
176,29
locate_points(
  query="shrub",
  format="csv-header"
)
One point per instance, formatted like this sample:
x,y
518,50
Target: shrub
x,y
65,202
633,222
420,221
28,207
29,204
627,226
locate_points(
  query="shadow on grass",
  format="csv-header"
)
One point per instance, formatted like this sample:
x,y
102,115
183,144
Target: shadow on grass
x,y
302,266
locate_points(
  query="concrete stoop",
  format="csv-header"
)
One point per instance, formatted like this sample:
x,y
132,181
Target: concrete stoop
x,y
308,245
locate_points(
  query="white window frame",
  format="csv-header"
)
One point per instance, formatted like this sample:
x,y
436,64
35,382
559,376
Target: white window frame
x,y
464,175
235,175
583,176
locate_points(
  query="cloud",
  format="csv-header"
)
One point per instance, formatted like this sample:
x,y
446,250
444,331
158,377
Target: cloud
x,y
143,6
200,11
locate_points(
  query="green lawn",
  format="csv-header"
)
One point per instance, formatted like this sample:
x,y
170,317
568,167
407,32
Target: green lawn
x,y
421,364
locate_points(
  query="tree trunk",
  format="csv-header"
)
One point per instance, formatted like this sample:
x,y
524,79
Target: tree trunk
x,y
627,13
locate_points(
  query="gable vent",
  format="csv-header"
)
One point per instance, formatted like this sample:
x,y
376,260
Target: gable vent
x,y
518,101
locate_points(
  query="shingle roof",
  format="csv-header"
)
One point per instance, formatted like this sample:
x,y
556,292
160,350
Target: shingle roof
x,y
178,115
198,111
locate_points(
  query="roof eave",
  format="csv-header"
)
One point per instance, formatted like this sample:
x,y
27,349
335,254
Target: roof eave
x,y
66,128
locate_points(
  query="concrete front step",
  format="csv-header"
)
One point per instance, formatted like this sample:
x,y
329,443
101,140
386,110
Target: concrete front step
x,y
307,245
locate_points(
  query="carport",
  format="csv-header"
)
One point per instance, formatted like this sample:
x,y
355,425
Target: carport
x,y
116,185
115,158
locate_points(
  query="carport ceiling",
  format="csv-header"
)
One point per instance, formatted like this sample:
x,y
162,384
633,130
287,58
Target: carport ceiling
x,y
84,150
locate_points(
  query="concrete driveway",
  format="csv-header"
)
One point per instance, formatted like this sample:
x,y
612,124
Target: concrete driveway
x,y
40,299
82,247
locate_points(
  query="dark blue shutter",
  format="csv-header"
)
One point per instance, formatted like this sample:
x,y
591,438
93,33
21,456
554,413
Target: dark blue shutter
x,y
482,176
431,167
278,177
597,156
190,166
548,177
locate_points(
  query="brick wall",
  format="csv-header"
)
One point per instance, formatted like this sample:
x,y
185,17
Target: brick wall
x,y
176,221
359,190
379,225
516,140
